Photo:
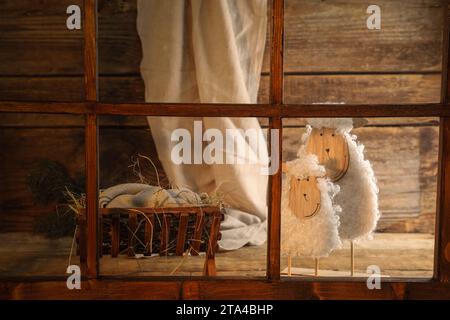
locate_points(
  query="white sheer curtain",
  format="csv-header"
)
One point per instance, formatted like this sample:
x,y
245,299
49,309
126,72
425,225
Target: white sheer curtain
x,y
208,51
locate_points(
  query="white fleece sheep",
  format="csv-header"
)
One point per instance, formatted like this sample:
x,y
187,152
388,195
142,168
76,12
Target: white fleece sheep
x,y
318,235
358,196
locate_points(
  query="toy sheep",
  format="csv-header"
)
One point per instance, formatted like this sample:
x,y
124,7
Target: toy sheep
x,y
310,219
343,158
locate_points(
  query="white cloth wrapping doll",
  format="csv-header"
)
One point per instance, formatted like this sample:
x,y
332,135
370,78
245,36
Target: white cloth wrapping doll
x,y
358,196
314,233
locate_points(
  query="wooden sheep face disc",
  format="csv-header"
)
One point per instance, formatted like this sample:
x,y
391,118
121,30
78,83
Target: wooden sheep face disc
x,y
304,197
332,151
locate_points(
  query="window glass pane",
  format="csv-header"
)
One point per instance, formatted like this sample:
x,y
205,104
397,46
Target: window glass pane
x,y
42,60
181,51
42,172
401,154
145,170
331,56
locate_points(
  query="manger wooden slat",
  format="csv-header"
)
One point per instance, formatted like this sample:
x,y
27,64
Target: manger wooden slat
x,y
165,233
148,234
115,235
196,241
181,237
210,264
132,229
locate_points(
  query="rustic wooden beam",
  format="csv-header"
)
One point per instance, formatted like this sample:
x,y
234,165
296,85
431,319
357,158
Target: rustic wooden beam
x,y
91,140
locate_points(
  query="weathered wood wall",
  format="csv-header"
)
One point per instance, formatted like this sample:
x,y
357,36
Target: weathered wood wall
x,y
330,57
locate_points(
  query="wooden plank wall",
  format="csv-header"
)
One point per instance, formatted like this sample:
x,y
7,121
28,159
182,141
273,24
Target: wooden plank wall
x,y
330,57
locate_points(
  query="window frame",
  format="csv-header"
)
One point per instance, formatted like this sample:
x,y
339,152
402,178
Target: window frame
x,y
216,287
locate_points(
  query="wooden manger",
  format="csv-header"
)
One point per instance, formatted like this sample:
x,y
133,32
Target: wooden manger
x,y
148,231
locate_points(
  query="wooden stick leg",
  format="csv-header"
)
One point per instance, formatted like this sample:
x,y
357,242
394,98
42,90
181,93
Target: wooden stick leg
x,y
352,258
316,271
289,265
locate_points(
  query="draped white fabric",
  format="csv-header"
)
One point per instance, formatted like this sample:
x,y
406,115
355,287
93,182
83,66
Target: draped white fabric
x,y
208,51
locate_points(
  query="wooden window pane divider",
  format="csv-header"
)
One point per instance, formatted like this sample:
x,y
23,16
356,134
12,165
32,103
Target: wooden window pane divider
x,y
442,231
229,110
91,137
275,123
